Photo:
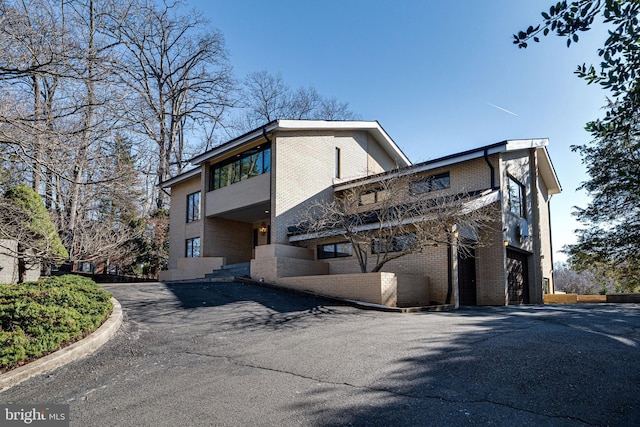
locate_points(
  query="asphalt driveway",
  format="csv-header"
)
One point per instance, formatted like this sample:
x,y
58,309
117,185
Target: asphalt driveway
x,y
228,354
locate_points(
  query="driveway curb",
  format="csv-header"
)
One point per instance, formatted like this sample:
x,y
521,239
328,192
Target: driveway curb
x,y
75,351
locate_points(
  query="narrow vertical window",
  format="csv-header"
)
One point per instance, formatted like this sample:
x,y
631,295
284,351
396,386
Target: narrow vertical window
x,y
337,171
193,207
193,248
266,165
516,197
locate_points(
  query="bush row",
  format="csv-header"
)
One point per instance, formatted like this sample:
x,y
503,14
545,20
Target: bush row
x,y
37,318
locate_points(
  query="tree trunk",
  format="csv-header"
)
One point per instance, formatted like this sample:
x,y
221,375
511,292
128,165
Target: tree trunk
x,y
22,265
81,158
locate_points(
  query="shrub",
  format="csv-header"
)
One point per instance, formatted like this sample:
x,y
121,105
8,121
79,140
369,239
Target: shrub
x,y
37,318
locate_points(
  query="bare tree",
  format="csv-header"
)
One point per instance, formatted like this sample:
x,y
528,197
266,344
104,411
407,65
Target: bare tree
x,y
178,74
30,35
585,282
267,97
60,112
332,109
390,218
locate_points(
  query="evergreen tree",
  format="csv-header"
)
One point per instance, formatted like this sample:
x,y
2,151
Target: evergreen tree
x,y
610,238
24,218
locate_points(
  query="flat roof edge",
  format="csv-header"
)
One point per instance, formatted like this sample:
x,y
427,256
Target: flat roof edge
x,y
181,177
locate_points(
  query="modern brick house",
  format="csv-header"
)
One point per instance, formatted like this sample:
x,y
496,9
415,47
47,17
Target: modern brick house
x,y
239,202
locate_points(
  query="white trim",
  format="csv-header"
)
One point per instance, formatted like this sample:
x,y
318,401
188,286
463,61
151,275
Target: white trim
x,y
519,144
548,172
182,177
509,145
373,127
230,145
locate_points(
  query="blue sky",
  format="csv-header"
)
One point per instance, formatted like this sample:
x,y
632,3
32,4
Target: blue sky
x,y
440,76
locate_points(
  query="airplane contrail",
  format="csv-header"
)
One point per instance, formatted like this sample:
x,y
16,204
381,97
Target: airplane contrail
x,y
502,109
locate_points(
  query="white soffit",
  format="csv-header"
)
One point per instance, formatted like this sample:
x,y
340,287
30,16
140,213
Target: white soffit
x,y
548,172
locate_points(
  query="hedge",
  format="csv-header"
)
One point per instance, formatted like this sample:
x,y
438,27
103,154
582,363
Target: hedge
x,y
37,318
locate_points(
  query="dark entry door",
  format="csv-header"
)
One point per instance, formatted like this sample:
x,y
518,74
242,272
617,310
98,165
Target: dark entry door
x,y
467,277
518,277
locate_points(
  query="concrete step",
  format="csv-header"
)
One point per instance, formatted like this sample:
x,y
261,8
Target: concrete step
x,y
231,270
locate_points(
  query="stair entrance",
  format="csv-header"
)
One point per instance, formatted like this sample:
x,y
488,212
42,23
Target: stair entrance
x,y
242,269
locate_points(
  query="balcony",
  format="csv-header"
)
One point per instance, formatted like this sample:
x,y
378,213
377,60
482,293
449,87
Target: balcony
x,y
236,198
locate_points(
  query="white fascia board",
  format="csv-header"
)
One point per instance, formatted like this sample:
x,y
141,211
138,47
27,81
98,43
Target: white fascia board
x,y
179,178
548,172
350,183
373,127
470,206
424,166
452,160
519,144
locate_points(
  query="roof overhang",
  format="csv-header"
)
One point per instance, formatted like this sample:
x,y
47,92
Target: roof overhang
x,y
248,137
485,199
546,167
372,127
263,132
179,178
548,172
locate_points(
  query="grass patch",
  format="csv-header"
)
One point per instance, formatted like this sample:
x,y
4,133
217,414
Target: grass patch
x,y
37,318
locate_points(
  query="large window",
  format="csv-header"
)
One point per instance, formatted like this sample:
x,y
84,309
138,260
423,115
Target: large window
x,y
193,207
516,197
431,183
248,164
335,250
193,248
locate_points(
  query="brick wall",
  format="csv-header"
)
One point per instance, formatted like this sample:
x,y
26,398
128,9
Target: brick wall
x,y
491,281
376,288
390,289
413,290
545,235
179,229
230,239
191,268
304,164
274,261
9,264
